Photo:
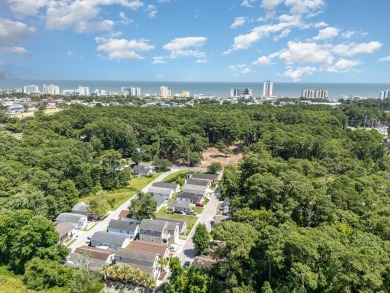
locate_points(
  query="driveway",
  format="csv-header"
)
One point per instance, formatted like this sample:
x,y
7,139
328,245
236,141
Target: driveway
x,y
103,224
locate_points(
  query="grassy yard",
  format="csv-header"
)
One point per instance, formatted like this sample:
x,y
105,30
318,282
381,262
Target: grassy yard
x,y
121,195
191,220
198,210
174,176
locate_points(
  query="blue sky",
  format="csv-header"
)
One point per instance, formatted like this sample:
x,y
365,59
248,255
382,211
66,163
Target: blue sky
x,y
196,40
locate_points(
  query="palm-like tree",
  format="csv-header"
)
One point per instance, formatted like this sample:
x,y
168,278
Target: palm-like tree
x,y
163,262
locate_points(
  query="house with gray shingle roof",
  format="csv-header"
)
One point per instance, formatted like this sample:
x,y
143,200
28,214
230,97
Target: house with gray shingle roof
x,y
123,227
111,240
182,223
178,205
77,221
154,231
198,182
80,209
197,189
208,177
190,197
174,186
65,230
167,193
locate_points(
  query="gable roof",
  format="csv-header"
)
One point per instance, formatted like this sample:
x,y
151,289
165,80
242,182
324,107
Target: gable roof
x,y
70,218
122,225
64,228
80,207
160,190
152,247
94,252
124,214
159,199
136,254
180,204
194,187
189,195
172,186
112,238
152,225
203,177
197,182
175,221
142,169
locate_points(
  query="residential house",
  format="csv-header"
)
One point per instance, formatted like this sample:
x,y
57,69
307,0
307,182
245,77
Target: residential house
x,y
203,261
182,223
178,205
167,193
147,262
77,221
142,170
174,186
154,231
190,197
198,182
197,189
208,177
80,209
65,230
160,200
110,240
94,257
220,218
129,229
124,215
152,247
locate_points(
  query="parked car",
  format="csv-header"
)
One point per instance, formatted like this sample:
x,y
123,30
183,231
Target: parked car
x,y
180,212
171,248
200,205
186,264
192,213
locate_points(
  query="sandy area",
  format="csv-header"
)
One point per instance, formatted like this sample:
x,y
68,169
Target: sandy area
x,y
213,155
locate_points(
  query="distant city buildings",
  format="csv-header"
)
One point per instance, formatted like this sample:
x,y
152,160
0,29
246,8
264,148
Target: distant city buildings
x,y
240,93
81,91
185,94
51,89
30,89
384,94
165,92
316,94
131,91
268,88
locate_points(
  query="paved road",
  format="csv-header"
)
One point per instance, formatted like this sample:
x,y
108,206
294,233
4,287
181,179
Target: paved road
x,y
188,252
102,225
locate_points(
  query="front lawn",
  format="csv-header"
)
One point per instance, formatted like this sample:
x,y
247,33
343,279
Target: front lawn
x,y
191,220
198,210
174,176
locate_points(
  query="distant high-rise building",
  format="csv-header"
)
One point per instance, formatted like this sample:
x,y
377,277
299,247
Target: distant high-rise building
x,y
132,91
165,92
236,92
30,89
51,89
185,94
316,94
384,94
83,91
268,88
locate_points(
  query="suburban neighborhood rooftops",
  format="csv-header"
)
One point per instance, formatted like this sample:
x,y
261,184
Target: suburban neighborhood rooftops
x,y
151,247
172,186
80,207
203,177
145,269
122,225
64,228
159,199
194,187
180,204
197,182
142,169
135,254
176,221
160,190
152,225
71,218
94,252
106,237
189,195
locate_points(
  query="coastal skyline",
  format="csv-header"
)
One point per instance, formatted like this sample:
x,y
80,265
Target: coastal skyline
x,y
188,40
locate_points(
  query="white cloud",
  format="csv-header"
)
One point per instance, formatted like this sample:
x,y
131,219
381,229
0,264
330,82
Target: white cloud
x,y
11,32
151,10
343,65
271,4
282,35
163,1
385,59
263,60
310,7
122,48
327,33
27,7
124,18
348,34
159,60
201,61
239,21
297,73
243,68
299,52
353,49
93,26
320,24
247,3
180,47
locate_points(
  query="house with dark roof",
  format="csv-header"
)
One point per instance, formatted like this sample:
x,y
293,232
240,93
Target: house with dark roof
x,y
95,257
208,177
167,193
154,231
197,189
160,200
174,186
147,262
123,227
190,197
77,221
160,249
80,208
198,182
110,240
142,170
182,223
65,230
124,215
181,206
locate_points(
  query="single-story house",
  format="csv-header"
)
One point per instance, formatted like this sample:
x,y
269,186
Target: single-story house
x,y
167,193
181,206
190,197
160,249
174,186
208,177
198,182
95,257
154,231
111,240
129,229
124,215
182,223
145,261
65,230
197,189
80,209
160,201
203,261
142,170
78,221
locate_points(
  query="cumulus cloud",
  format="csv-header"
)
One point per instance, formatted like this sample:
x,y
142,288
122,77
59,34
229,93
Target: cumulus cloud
x,y
385,59
10,34
353,49
299,52
151,10
297,73
310,7
248,3
27,7
343,65
159,60
122,48
242,68
263,60
239,21
186,47
93,26
327,33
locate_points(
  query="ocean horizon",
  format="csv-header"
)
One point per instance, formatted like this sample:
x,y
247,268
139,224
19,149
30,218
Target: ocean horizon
x,y
218,89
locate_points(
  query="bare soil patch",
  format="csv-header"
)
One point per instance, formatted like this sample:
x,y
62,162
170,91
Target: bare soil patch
x,y
213,155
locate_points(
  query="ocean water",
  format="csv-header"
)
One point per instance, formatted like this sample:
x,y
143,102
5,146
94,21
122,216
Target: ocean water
x,y
219,89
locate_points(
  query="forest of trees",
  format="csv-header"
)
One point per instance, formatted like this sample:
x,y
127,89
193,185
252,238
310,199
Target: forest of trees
x,y
310,201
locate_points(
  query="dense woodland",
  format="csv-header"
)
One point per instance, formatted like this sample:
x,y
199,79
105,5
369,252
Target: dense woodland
x,y
310,202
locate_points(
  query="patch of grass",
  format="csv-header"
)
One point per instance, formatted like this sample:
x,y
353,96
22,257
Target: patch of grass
x,y
219,213
198,210
174,176
191,220
70,242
